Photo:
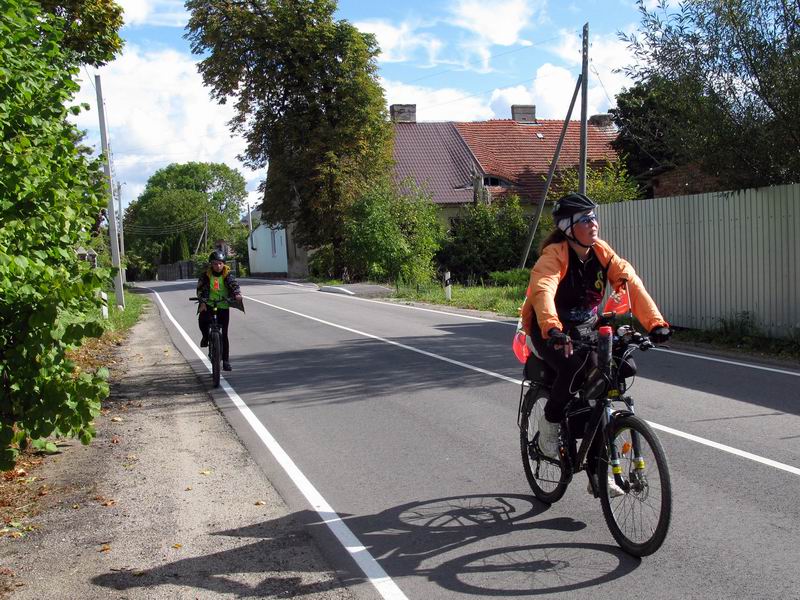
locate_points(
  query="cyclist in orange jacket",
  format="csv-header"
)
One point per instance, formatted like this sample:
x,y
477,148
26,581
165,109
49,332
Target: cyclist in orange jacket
x,y
567,285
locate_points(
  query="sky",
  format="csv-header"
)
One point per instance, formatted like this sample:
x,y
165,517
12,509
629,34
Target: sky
x,y
457,60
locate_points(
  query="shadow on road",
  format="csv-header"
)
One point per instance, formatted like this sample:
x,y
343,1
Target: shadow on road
x,y
430,539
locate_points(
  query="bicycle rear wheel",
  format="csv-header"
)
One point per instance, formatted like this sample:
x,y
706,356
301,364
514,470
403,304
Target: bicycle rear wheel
x,y
639,519
215,355
547,478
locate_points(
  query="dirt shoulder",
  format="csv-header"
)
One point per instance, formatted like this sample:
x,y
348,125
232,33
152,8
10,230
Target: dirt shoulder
x,y
165,503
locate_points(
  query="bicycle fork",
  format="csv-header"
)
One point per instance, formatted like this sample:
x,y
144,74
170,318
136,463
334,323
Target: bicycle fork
x,y
638,462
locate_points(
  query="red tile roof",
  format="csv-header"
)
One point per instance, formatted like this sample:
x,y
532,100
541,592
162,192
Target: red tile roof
x,y
521,153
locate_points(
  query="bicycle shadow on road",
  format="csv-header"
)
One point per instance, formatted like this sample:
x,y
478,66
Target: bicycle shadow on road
x,y
466,544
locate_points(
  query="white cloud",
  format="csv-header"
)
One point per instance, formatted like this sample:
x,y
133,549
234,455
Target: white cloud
x,y
445,104
496,23
399,43
493,23
165,13
158,112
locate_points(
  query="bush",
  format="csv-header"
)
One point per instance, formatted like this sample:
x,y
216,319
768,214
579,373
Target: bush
x,y
392,235
514,277
50,196
485,238
320,262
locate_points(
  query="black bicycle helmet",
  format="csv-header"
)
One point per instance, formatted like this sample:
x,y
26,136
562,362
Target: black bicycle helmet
x,y
569,206
216,255
572,204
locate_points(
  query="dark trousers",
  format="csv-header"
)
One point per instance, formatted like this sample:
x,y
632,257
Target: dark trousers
x,y
223,317
570,374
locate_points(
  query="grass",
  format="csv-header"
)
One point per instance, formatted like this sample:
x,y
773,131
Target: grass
x,y
504,300
737,333
122,320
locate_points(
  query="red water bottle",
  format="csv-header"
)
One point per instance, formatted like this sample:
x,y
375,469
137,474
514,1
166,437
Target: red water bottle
x,y
604,342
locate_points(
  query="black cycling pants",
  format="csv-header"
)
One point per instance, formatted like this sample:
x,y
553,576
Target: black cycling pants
x,y
223,317
570,374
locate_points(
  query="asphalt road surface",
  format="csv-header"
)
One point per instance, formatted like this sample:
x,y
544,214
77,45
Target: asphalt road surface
x,y
391,433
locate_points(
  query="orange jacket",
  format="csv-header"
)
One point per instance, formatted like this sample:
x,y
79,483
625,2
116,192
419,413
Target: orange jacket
x,y
551,268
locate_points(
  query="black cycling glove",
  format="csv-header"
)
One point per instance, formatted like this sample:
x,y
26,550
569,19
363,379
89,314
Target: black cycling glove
x,y
556,337
660,335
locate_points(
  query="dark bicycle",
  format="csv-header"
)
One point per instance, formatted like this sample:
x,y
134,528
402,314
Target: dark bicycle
x,y
616,445
214,336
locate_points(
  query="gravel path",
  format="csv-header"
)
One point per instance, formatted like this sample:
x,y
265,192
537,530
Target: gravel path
x,y
165,503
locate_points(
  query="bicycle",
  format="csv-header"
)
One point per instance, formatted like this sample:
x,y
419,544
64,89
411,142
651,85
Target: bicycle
x,y
615,443
214,336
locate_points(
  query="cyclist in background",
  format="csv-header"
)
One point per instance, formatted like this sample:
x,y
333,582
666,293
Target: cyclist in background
x,y
567,285
217,283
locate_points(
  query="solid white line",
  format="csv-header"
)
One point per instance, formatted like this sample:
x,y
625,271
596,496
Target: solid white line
x,y
676,432
393,343
723,447
514,324
730,362
433,310
384,584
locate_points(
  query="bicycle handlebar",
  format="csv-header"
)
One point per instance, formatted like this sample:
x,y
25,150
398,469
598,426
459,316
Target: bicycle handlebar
x,y
211,302
624,336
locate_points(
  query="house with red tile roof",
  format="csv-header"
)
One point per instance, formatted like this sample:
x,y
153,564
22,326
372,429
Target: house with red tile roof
x,y
506,156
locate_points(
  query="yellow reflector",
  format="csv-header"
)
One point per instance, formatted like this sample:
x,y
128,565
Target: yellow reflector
x,y
616,470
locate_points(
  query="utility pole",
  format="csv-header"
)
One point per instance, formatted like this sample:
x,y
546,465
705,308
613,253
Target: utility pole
x,y
121,229
584,110
112,215
535,221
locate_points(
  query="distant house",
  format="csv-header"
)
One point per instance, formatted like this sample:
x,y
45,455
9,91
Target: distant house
x,y
455,162
505,156
272,251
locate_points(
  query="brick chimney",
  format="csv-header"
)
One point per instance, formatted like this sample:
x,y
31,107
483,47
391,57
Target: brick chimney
x,y
403,113
601,120
523,113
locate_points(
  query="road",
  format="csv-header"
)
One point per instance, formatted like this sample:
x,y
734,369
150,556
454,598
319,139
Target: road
x,y
391,432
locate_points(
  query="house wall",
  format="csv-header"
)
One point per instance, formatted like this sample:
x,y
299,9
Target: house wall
x,y
707,257
269,255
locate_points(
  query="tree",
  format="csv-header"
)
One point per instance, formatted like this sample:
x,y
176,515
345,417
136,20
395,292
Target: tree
x,y
307,101
723,78
392,235
176,201
91,28
50,195
606,184
484,238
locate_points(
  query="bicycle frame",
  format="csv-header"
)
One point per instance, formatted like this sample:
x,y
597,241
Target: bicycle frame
x,y
578,458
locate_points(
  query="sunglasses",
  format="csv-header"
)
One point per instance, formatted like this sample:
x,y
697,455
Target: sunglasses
x,y
586,219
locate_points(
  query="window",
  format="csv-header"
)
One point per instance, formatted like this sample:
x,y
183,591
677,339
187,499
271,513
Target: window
x,y
492,181
274,245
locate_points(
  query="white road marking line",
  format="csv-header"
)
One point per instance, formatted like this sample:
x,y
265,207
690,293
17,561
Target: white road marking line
x,y
384,584
514,324
391,342
723,447
688,436
731,362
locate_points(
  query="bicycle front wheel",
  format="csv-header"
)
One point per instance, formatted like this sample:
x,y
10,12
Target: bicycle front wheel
x,y
215,354
640,517
547,478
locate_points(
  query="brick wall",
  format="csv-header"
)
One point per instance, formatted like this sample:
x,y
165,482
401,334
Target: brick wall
x,y
683,180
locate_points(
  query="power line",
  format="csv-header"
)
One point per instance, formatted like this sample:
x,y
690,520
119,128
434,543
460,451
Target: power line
x,y
488,58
